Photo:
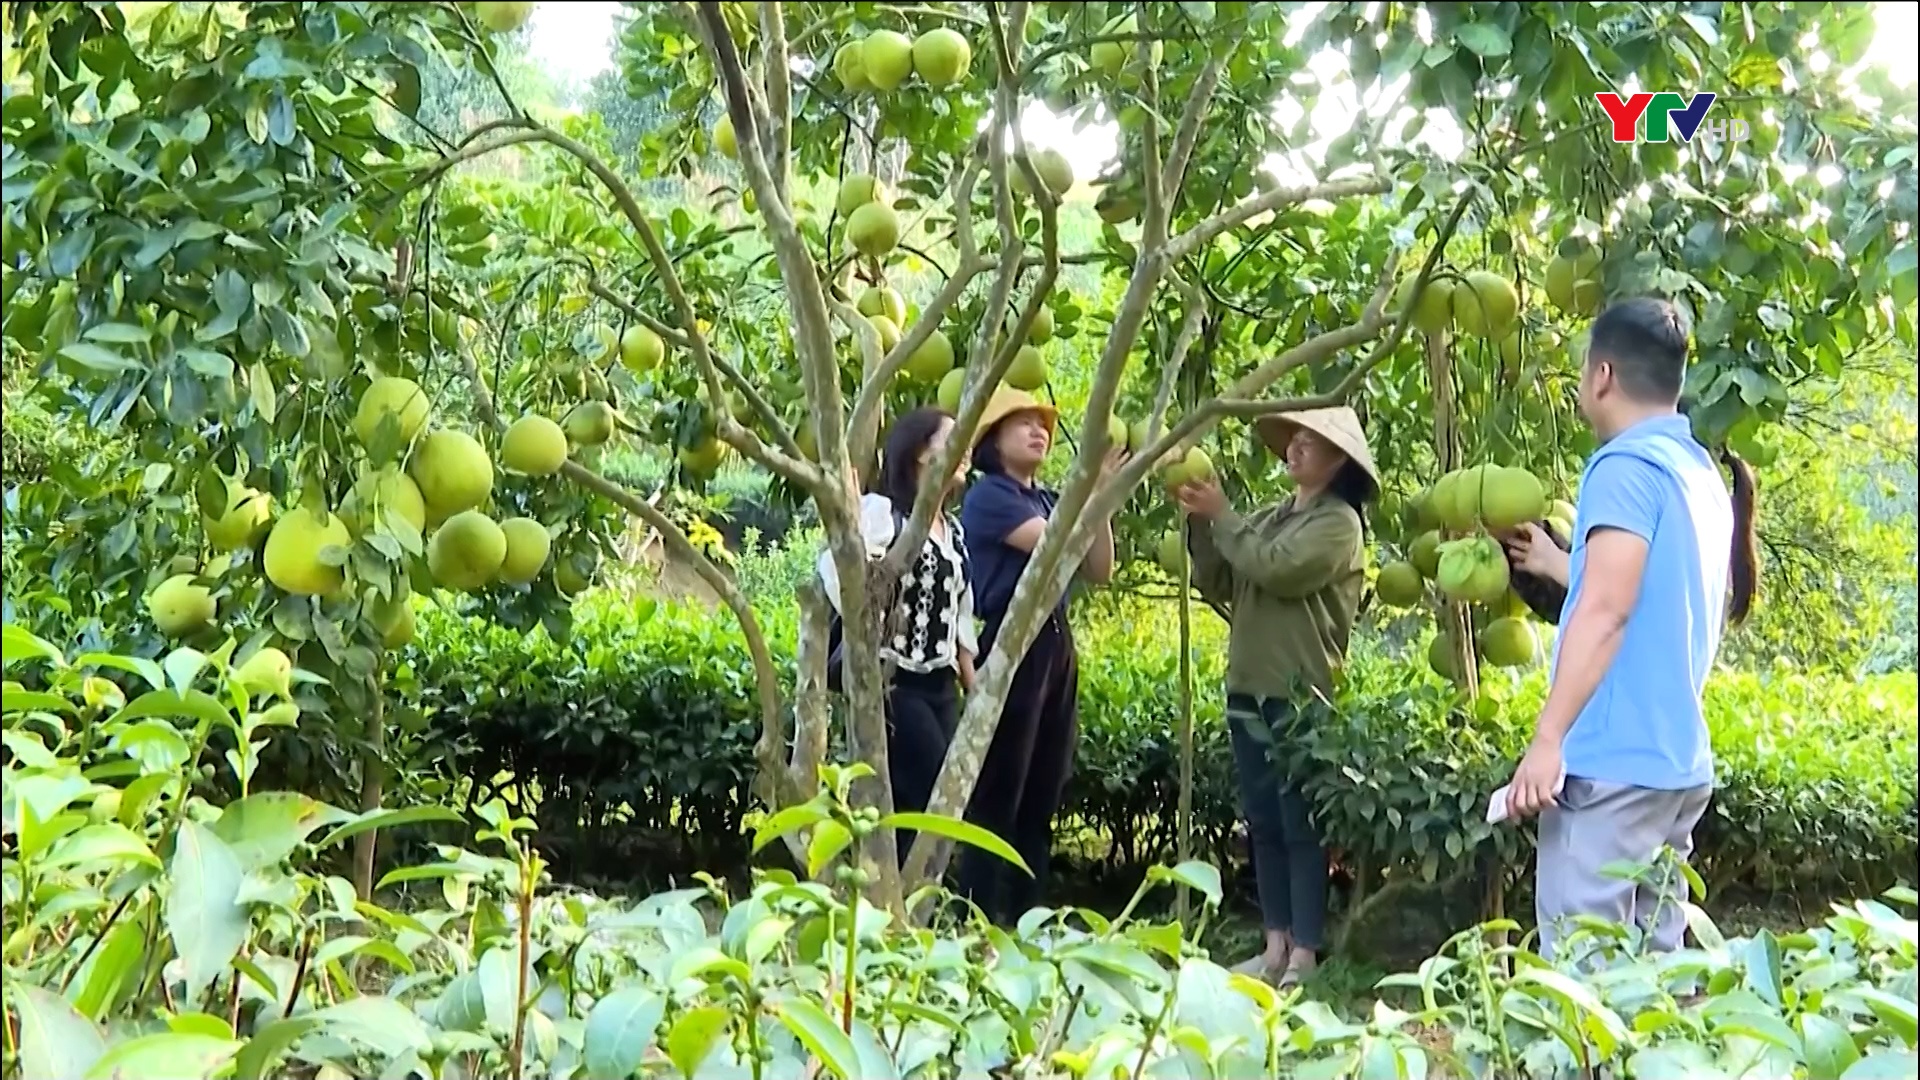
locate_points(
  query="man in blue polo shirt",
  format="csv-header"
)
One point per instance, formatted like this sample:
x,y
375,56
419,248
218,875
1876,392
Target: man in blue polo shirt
x,y
1647,599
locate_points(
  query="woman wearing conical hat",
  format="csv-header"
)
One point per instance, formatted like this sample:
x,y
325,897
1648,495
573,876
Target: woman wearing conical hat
x,y
1026,770
1292,574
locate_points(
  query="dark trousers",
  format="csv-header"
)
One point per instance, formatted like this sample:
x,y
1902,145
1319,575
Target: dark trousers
x,y
922,711
1289,862
1024,778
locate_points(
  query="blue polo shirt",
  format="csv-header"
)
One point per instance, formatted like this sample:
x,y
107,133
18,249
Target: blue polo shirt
x,y
996,505
1645,725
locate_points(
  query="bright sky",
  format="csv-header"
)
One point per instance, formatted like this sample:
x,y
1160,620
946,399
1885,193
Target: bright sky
x,y
574,41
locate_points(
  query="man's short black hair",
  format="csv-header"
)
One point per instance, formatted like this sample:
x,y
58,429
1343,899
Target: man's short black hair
x,y
1645,341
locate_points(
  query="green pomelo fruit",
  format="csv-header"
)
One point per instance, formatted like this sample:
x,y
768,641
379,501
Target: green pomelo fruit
x,y
952,385
589,423
704,459
387,398
1399,584
395,621
873,230
850,67
1041,331
1171,554
942,56
503,16
879,300
1485,305
292,553
1191,468
1472,570
887,57
534,446
932,361
180,607
641,349
1116,432
1424,554
247,514
723,139
453,472
888,330
1028,371
268,671
1435,309
467,551
1511,497
856,191
379,492
528,545
1508,643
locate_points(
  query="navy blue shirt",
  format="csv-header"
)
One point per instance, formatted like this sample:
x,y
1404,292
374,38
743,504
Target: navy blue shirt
x,y
995,506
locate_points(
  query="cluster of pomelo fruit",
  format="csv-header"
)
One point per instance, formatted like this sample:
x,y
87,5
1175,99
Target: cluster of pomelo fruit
x,y
419,481
1464,515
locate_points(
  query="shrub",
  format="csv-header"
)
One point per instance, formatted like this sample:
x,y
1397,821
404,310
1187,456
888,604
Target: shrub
x,y
154,933
653,720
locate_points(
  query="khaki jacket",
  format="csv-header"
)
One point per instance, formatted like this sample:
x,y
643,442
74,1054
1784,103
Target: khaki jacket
x,y
1293,579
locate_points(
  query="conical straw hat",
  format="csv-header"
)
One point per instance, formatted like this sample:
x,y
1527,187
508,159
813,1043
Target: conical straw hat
x,y
1338,425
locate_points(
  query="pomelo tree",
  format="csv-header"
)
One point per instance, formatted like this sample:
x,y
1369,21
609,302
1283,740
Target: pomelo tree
x,y
226,226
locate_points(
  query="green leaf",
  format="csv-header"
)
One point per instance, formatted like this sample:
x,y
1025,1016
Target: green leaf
x,y
1203,878
269,1045
694,1035
263,829
105,978
203,912
697,963
830,838
101,843
964,832
378,1023
619,1030
166,1056
820,1035
118,333
18,645
387,819
792,819
193,704
98,357
56,1043
1484,39
260,392
1826,1046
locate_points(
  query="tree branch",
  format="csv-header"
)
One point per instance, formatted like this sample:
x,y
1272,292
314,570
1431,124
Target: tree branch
x,y
1191,241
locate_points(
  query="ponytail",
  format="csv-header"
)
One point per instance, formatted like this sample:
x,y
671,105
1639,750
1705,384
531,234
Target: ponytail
x,y
1745,561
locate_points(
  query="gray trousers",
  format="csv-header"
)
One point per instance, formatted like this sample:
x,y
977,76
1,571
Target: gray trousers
x,y
1594,824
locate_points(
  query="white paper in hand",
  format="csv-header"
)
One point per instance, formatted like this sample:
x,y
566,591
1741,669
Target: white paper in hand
x,y
1497,802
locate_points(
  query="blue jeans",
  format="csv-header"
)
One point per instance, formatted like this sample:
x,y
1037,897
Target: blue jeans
x,y
1289,862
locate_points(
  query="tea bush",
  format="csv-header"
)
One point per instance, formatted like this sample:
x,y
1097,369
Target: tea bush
x,y
153,933
646,717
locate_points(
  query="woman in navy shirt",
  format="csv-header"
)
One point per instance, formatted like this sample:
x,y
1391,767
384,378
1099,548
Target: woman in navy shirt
x,y
1025,775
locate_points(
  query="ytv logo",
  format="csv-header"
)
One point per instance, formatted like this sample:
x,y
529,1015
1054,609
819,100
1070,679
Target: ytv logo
x,y
1669,110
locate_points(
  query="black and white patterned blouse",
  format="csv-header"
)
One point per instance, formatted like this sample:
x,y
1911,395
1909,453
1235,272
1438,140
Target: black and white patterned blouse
x,y
933,617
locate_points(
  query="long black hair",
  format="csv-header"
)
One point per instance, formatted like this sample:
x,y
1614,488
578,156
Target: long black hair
x,y
899,477
1546,598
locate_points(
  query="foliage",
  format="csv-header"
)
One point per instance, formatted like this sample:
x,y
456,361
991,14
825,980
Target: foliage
x,y
157,933
640,720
